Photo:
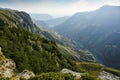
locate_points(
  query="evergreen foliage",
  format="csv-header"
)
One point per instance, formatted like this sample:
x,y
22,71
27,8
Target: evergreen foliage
x,y
54,76
32,52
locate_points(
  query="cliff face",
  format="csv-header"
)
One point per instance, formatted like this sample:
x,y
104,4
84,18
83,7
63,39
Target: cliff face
x,y
18,19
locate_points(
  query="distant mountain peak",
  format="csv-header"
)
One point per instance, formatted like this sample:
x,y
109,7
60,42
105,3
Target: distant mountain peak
x,y
108,7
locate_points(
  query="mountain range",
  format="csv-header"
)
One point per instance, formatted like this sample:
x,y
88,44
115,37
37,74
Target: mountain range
x,y
49,24
31,52
98,31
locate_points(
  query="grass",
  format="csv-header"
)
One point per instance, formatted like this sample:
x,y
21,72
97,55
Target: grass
x,y
113,71
90,68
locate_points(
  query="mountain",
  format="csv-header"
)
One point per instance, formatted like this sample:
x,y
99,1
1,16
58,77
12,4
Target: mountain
x,y
13,18
49,24
98,31
42,17
26,49
41,24
22,41
56,21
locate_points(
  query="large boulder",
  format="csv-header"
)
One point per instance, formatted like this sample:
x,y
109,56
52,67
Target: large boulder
x,y
26,74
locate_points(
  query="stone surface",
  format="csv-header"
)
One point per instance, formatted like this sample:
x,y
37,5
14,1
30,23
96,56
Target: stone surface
x,y
76,74
108,76
26,74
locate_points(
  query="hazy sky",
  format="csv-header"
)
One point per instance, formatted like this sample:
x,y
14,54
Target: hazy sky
x,y
56,7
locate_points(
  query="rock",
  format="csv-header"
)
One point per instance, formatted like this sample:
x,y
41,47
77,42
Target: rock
x,y
108,76
1,54
8,63
26,74
7,66
76,74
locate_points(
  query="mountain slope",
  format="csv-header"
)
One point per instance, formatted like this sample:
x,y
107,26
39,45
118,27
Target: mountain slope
x,y
97,31
30,49
21,43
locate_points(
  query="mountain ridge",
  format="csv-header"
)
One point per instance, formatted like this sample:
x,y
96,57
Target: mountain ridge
x,y
32,48
97,30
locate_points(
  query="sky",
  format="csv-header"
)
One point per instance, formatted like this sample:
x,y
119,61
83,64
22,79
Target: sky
x,y
56,8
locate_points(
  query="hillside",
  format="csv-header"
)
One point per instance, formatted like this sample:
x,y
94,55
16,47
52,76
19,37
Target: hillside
x,y
21,45
22,40
13,18
27,49
97,31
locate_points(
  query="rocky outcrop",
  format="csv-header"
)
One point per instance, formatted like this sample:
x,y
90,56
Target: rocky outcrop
x,y
7,66
26,74
108,76
76,74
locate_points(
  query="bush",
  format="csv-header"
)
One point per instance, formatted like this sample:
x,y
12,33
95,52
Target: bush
x,y
54,76
88,77
113,71
91,68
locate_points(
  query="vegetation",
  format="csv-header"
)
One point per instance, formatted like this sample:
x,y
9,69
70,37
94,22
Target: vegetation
x,y
4,79
32,52
13,18
90,68
54,76
88,77
62,76
40,55
113,71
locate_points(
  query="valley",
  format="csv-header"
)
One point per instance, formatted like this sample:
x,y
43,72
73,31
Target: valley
x,y
84,52
96,33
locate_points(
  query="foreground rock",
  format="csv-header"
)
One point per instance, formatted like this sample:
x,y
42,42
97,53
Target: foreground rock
x,y
108,76
76,74
7,66
26,74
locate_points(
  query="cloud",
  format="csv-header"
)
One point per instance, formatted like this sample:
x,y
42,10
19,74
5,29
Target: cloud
x,y
38,1
56,7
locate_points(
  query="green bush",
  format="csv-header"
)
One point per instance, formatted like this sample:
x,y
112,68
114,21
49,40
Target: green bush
x,y
4,79
113,71
91,68
88,77
54,76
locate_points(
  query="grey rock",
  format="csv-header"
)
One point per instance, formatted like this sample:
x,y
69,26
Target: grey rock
x,y
108,76
26,74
